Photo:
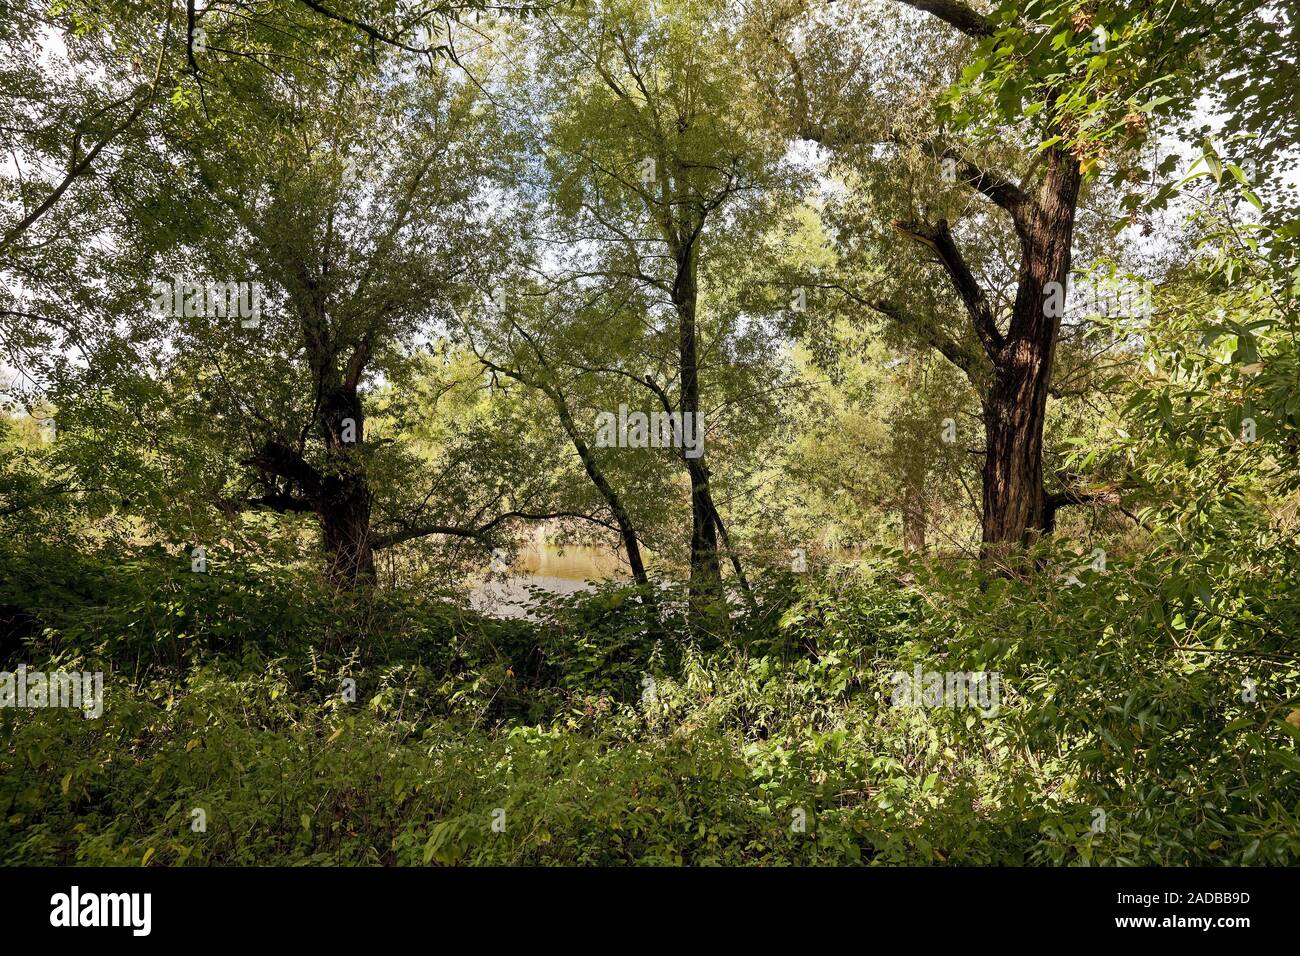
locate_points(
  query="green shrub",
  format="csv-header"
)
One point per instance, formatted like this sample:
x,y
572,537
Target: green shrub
x,y
602,733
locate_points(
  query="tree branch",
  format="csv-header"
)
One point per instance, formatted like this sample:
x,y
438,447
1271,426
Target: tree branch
x,y
278,501
1003,192
939,238
79,167
955,352
280,459
483,533
955,14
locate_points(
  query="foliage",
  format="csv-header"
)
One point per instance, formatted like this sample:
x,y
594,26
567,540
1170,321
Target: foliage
x,y
478,227
1123,693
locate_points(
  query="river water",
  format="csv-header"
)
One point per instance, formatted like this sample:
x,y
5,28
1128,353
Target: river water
x,y
544,565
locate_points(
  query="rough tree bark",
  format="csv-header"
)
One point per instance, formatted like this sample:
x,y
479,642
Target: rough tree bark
x,y
1014,374
1016,403
343,506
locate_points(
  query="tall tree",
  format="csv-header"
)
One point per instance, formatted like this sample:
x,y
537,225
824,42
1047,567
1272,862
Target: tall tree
x,y
1071,83
656,145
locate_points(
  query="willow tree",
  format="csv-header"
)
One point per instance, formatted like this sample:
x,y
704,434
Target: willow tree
x,y
656,148
330,156
351,198
1044,102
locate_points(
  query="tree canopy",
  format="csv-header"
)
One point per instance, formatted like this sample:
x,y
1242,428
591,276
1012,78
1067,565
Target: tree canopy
x,y
858,336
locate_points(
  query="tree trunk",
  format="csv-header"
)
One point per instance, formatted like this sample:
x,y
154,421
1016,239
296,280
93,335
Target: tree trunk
x,y
706,572
1015,405
1013,464
343,506
344,514
626,530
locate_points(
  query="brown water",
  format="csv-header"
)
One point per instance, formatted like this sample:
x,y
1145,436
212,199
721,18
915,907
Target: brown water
x,y
542,565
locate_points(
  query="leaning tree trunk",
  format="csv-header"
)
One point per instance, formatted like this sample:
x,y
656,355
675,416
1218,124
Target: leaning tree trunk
x,y
1015,404
626,529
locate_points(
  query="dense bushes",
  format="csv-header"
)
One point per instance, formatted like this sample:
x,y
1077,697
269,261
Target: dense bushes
x,y
590,736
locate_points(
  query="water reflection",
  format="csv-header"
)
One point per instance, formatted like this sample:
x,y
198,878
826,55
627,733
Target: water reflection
x,y
540,565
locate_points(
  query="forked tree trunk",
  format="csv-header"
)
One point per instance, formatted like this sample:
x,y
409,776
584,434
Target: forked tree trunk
x,y
1015,404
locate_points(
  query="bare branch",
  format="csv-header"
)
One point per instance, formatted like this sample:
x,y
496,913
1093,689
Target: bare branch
x,y
939,238
411,532
955,14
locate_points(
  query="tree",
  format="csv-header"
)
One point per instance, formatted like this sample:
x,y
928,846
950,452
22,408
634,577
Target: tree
x,y
658,145
1071,82
508,348
344,214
